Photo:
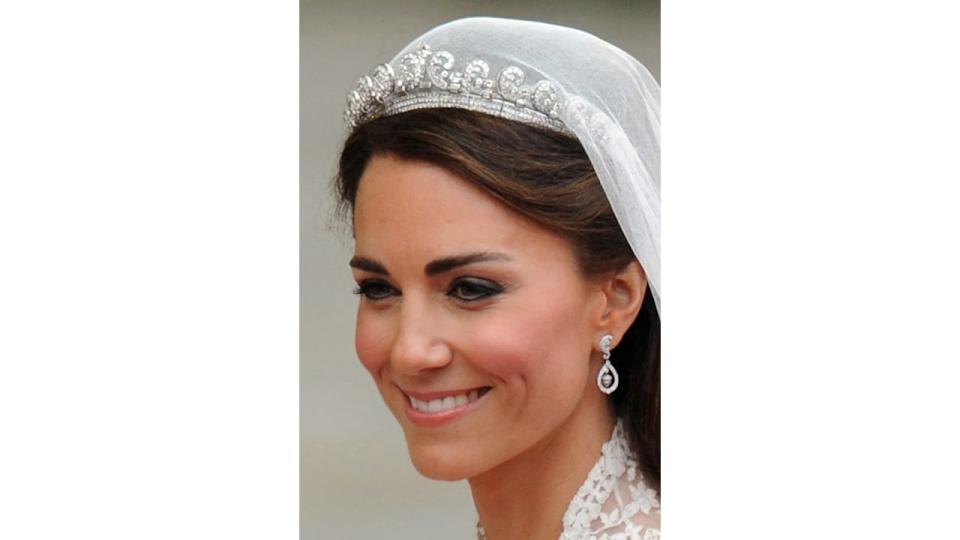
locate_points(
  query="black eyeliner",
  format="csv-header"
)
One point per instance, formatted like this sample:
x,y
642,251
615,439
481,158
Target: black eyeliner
x,y
487,288
365,286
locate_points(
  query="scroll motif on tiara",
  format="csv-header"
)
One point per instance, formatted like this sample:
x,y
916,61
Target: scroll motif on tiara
x,y
385,91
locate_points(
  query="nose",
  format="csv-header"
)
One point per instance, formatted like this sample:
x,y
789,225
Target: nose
x,y
419,346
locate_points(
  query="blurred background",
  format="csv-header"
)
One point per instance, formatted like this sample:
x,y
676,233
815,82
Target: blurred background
x,y
356,480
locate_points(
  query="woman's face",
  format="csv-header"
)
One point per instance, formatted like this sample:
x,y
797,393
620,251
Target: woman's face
x,y
475,322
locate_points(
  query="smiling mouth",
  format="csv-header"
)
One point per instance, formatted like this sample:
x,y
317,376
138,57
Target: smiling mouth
x,y
448,403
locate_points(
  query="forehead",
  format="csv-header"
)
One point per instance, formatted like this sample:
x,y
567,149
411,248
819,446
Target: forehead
x,y
421,208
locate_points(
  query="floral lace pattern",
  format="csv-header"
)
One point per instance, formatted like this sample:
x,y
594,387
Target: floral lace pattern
x,y
613,503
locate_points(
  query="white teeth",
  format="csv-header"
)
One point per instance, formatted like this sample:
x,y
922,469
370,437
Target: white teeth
x,y
444,404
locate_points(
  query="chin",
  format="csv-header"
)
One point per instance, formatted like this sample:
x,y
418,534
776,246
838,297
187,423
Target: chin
x,y
438,463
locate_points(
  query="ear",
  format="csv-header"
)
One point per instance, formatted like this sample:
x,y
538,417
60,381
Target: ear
x,y
623,293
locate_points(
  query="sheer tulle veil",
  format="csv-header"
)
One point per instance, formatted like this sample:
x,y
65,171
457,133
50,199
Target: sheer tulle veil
x,y
556,77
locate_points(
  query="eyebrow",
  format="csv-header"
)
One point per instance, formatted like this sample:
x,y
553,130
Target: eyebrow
x,y
447,264
438,266
370,265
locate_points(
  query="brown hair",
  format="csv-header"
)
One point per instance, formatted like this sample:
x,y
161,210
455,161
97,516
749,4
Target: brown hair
x,y
547,177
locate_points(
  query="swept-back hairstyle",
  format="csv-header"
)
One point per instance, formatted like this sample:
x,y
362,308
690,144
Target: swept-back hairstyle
x,y
547,177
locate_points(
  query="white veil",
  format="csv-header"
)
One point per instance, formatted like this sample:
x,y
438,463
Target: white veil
x,y
547,75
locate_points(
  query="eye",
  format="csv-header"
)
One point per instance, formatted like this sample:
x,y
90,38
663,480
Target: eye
x,y
374,289
472,289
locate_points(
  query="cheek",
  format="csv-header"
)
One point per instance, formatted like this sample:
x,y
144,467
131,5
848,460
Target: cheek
x,y
372,342
540,342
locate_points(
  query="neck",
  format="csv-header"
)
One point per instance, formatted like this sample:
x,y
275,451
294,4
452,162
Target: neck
x,y
527,496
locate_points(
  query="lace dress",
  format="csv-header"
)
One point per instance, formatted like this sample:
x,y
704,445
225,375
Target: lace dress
x,y
613,503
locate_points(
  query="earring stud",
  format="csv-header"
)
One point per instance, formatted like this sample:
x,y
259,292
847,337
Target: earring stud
x,y
608,379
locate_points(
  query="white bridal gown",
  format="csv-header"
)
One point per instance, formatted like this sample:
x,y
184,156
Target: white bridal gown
x,y
613,503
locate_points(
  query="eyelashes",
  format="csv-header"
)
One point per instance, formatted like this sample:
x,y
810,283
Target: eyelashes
x,y
467,289
374,289
473,289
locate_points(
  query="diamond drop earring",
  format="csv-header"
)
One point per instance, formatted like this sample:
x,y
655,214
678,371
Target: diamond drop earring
x,y
608,379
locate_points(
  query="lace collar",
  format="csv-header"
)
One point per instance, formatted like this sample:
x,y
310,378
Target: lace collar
x,y
613,503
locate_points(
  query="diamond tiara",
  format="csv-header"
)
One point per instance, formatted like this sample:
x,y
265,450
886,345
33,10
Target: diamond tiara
x,y
426,79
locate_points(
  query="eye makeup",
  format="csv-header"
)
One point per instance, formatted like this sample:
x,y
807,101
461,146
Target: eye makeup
x,y
463,289
471,289
375,289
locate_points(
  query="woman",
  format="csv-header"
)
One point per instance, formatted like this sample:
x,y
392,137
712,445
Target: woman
x,y
503,182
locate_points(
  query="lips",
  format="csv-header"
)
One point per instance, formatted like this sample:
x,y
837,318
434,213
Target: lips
x,y
448,402
434,408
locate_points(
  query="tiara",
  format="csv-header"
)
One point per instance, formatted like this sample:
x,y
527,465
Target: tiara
x,y
426,79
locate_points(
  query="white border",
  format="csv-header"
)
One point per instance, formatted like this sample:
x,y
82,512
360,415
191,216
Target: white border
x,y
148,289
811,269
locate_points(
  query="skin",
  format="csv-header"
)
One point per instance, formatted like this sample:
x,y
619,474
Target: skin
x,y
525,322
